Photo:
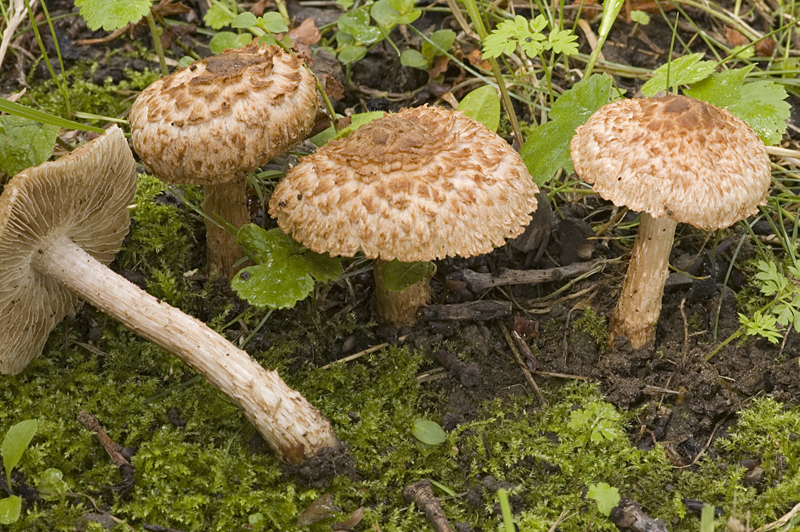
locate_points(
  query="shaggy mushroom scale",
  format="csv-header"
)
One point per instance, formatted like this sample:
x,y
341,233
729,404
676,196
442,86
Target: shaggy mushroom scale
x,y
673,159
60,224
219,119
418,185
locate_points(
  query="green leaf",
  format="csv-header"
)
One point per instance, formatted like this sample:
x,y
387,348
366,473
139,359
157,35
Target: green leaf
x,y
640,17
226,39
760,104
356,23
217,17
24,143
358,120
414,59
682,71
444,39
51,484
482,105
351,54
112,14
563,42
428,432
606,497
17,439
10,509
244,20
547,148
285,270
390,13
13,108
398,275
273,22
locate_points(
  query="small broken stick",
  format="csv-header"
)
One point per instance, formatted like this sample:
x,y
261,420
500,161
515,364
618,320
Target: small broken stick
x,y
421,494
478,282
113,449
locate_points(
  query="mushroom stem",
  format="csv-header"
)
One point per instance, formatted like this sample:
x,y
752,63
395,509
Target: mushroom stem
x,y
399,309
291,426
639,305
225,202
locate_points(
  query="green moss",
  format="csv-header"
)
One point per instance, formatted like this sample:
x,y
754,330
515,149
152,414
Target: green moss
x,y
107,99
594,325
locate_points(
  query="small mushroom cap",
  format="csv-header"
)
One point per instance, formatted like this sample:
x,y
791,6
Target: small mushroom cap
x,y
83,196
421,184
224,116
674,156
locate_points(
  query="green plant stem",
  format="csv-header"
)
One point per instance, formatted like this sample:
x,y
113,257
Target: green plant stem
x,y
327,100
61,83
64,86
477,22
505,506
281,5
157,43
611,9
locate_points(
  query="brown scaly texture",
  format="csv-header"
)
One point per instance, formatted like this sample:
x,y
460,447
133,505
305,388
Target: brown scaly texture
x,y
421,184
84,196
224,116
674,156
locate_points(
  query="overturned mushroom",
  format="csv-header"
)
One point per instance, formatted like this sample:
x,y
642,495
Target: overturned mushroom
x,y
673,159
418,185
60,224
219,119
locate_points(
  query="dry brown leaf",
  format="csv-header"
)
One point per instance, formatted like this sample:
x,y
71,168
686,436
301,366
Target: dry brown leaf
x,y
306,33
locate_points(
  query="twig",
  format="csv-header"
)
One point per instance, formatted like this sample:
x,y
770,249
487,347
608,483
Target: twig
x,y
421,494
362,353
478,282
126,471
561,375
515,342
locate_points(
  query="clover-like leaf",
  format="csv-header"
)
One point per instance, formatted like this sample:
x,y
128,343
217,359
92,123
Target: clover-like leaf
x,y
285,271
244,20
273,22
443,39
356,23
112,14
414,59
606,497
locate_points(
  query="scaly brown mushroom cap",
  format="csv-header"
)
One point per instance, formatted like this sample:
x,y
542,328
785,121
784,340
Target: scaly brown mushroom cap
x,y
224,116
674,156
89,207
421,184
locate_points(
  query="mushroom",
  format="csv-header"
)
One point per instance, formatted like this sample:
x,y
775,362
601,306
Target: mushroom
x,y
673,159
217,120
60,224
418,185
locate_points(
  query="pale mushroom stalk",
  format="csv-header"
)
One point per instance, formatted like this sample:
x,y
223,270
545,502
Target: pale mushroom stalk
x,y
639,305
399,308
61,223
291,426
225,203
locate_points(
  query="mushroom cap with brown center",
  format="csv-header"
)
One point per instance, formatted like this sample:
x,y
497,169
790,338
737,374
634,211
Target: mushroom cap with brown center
x,y
224,116
83,196
421,184
674,156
